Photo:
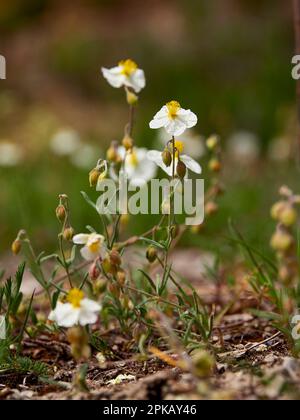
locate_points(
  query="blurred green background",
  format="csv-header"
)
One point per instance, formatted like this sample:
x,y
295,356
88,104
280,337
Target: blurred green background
x,y
227,60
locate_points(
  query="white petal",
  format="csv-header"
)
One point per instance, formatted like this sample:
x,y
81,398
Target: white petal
x,y
87,254
66,315
87,317
137,80
114,76
191,164
155,156
188,117
81,238
160,119
176,127
90,305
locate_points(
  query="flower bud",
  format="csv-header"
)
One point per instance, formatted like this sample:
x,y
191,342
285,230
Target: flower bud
x,y
16,247
127,142
214,165
114,289
99,286
288,216
115,258
277,209
181,169
112,154
124,220
68,234
94,271
132,98
121,277
285,275
151,254
281,241
212,142
60,213
93,177
166,157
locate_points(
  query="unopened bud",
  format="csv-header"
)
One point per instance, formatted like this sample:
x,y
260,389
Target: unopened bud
x,y
151,254
60,213
114,289
166,157
288,216
99,286
181,169
112,154
277,209
281,241
93,177
68,234
121,277
16,247
94,271
212,142
127,142
214,165
115,258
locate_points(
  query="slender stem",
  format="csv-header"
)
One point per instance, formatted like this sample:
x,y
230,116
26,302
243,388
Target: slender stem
x,y
65,264
296,6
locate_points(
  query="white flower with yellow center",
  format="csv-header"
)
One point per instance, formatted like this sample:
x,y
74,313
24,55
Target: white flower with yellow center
x,y
138,168
189,162
78,310
126,74
94,246
174,119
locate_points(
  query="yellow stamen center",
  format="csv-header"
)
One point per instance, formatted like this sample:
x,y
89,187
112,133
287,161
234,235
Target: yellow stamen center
x,y
132,159
179,146
128,67
94,246
75,297
173,108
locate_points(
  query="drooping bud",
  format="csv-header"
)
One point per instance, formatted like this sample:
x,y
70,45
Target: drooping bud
x,y
151,254
93,177
16,246
181,169
127,142
214,165
61,212
68,233
166,157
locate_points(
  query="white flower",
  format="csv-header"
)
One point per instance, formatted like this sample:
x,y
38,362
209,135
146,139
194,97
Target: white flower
x,y
65,142
10,154
138,168
190,163
84,156
174,119
244,147
77,311
194,144
94,246
126,74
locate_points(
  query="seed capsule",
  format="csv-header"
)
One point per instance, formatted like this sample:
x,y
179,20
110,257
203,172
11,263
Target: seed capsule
x,y
68,234
214,165
166,157
181,169
281,241
60,213
288,216
127,142
16,247
93,177
112,154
